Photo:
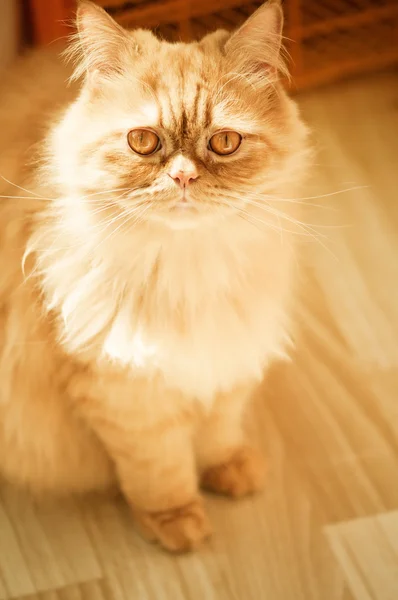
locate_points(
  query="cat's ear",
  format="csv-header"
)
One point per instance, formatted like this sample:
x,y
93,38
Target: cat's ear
x,y
256,47
99,44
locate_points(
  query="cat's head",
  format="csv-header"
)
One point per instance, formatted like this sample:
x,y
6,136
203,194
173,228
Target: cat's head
x,y
180,134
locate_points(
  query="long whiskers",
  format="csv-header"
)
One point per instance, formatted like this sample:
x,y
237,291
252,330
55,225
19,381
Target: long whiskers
x,y
318,196
274,198
133,217
92,198
268,208
263,225
19,187
27,198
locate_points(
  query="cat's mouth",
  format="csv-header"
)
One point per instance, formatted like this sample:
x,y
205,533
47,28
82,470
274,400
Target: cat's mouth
x,y
184,206
184,202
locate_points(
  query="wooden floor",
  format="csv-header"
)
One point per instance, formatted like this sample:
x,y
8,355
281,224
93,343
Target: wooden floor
x,y
327,526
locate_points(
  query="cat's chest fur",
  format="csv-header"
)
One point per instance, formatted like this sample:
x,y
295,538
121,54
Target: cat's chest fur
x,y
205,310
208,314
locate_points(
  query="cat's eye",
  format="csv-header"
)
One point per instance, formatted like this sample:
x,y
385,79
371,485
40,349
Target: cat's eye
x,y
143,141
225,142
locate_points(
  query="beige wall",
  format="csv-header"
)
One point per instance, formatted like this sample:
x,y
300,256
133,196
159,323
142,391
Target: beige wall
x,y
9,35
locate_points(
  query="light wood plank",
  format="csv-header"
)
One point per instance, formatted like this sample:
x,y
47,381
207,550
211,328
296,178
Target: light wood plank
x,y
15,578
93,590
365,553
55,545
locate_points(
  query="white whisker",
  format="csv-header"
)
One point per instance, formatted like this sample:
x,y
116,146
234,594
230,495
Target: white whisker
x,y
132,218
274,211
124,189
260,195
19,186
305,230
27,198
319,196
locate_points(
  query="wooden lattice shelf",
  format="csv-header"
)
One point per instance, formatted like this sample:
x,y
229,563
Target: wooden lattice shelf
x,y
326,39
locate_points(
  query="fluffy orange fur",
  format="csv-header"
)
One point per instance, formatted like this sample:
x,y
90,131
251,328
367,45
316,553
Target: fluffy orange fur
x,y
134,328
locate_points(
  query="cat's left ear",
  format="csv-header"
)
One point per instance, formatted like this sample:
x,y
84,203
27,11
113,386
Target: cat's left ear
x,y
256,47
100,43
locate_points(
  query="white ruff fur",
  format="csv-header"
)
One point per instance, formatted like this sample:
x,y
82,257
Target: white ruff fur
x,y
203,308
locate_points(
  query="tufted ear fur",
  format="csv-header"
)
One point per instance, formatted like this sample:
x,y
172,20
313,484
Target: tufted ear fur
x,y
255,48
100,44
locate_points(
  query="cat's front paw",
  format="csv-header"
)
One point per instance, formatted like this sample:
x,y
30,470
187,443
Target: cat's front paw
x,y
179,529
242,474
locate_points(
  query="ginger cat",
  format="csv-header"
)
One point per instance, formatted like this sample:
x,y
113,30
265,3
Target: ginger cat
x,y
146,264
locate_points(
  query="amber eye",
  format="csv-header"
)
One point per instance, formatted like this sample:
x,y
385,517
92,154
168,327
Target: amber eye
x,y
225,142
143,141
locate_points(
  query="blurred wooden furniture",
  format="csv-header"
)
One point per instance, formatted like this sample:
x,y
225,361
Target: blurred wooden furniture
x,y
10,31
327,39
51,19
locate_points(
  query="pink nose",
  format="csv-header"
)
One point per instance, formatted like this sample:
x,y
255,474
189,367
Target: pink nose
x,y
184,178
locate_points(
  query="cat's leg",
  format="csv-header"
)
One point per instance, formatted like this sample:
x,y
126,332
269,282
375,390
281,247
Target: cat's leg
x,y
147,431
160,482
227,463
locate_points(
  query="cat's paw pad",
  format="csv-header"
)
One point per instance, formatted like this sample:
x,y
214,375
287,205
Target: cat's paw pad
x,y
243,474
179,529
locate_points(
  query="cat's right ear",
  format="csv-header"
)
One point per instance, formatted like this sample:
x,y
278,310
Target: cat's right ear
x,y
98,47
255,48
